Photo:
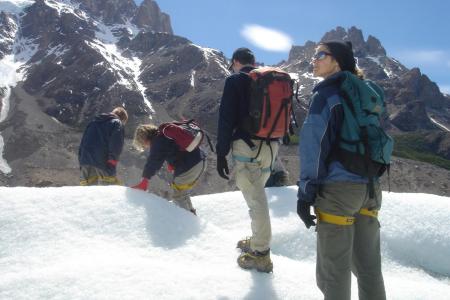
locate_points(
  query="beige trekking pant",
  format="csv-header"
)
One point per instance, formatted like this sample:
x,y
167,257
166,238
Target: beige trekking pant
x,y
251,178
183,184
342,249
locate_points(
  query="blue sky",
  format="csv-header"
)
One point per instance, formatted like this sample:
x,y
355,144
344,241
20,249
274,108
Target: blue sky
x,y
415,32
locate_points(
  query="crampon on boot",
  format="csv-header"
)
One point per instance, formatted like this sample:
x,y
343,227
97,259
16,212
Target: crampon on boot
x,y
256,260
244,244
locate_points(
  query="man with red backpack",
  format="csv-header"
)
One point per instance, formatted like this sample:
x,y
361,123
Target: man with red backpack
x,y
175,144
253,147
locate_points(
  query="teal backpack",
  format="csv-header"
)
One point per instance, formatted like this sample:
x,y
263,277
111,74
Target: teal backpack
x,y
363,147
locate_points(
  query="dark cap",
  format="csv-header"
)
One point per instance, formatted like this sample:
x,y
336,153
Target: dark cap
x,y
343,53
242,55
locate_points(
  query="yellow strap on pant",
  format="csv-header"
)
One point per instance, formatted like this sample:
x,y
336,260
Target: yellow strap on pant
x,y
183,187
96,179
369,213
343,220
333,219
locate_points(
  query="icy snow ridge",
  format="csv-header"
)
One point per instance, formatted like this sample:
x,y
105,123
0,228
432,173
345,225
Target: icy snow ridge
x,y
118,243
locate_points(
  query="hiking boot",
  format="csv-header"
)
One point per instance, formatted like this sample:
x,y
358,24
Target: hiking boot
x,y
256,260
244,244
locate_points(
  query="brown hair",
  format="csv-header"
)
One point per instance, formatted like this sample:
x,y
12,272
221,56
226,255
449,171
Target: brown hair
x,y
121,113
342,53
143,133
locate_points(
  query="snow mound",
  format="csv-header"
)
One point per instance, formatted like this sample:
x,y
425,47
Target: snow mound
x,y
119,243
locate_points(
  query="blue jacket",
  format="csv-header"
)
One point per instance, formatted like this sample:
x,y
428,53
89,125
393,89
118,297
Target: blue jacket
x,y
102,140
317,139
165,149
234,107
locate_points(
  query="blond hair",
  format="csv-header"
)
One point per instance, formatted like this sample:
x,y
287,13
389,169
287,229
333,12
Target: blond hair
x,y
144,133
359,73
121,113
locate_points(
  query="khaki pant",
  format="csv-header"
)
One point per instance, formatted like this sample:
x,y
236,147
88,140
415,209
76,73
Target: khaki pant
x,y
251,178
94,176
183,184
342,249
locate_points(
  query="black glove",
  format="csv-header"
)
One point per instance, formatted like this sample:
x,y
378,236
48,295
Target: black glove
x,y
304,212
222,167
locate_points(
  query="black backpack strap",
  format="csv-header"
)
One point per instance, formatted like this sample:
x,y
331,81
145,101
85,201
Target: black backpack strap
x,y
263,84
284,106
368,161
209,142
388,168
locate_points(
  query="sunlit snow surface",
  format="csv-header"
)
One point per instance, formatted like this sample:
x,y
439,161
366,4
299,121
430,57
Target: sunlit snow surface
x,y
118,243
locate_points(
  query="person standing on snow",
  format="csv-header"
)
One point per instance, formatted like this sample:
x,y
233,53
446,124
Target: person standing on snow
x,y
250,176
187,167
100,148
348,231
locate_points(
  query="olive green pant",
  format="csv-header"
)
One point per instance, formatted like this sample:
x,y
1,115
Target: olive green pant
x,y
342,249
91,175
251,178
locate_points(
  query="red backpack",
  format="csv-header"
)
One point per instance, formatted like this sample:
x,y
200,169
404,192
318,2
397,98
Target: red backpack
x,y
270,106
186,134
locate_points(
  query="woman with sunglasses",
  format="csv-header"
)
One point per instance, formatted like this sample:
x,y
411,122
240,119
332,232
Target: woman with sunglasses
x,y
347,239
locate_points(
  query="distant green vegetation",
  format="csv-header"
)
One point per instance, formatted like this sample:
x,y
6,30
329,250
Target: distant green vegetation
x,y
294,139
415,146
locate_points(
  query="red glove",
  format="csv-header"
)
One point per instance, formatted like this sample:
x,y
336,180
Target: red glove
x,y
112,162
143,185
170,168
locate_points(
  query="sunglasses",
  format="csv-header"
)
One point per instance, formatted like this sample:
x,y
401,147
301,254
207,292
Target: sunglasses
x,y
321,55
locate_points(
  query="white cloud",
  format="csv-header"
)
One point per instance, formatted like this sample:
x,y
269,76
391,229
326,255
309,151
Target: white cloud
x,y
267,38
445,89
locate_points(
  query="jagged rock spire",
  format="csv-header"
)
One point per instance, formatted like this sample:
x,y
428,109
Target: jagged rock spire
x,y
149,16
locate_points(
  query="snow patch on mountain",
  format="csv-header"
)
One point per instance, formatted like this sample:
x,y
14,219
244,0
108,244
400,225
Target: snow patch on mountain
x,y
375,59
209,53
127,68
193,78
67,6
311,76
12,70
443,127
14,6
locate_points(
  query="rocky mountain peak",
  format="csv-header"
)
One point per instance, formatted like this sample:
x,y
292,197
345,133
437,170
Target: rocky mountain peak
x,y
374,46
149,16
335,34
112,11
424,89
371,47
49,26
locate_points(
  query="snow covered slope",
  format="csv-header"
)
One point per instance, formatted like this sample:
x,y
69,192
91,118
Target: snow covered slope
x,y
118,243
